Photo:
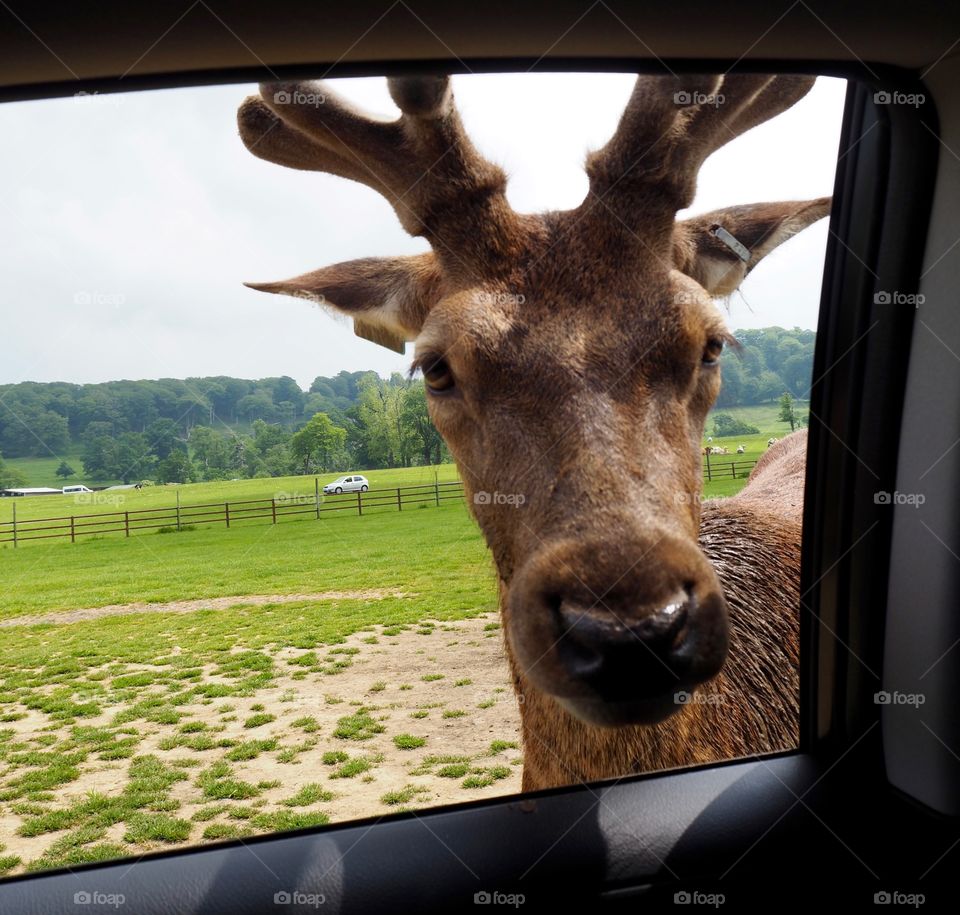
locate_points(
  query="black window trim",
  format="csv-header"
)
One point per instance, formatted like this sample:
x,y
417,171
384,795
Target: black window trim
x,y
654,821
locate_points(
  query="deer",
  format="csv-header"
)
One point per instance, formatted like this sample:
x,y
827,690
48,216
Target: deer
x,y
645,628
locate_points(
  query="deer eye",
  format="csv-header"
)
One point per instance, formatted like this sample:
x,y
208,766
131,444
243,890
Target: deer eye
x,y
437,375
712,351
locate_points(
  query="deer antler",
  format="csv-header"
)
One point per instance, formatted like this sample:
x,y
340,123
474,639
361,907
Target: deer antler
x,y
648,170
423,163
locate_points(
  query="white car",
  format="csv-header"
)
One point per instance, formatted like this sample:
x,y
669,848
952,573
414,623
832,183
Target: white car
x,y
356,483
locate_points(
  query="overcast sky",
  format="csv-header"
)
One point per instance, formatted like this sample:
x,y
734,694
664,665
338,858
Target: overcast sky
x,y
128,223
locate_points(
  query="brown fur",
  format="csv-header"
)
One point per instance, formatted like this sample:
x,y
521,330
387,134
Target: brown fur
x,y
580,347
752,706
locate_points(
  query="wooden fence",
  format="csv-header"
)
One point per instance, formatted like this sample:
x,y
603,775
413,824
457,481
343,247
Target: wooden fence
x,y
276,508
726,470
178,517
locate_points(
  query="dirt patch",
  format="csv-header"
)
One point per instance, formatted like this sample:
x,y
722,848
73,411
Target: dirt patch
x,y
191,606
439,724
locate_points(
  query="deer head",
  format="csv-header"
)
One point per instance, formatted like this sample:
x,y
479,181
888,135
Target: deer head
x,y
570,358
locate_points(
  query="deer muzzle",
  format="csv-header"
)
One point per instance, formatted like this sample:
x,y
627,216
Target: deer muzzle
x,y
618,636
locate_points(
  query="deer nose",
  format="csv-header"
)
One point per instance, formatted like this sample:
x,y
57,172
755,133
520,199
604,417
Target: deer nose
x,y
635,663
608,652
617,647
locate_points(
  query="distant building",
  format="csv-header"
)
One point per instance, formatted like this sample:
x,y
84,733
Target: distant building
x,y
31,491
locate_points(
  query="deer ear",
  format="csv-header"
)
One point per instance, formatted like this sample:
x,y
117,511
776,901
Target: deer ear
x,y
719,249
387,297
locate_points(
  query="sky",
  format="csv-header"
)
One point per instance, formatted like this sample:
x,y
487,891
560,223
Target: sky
x,y
128,223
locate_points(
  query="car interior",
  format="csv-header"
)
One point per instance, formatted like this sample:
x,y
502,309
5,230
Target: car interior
x,y
864,811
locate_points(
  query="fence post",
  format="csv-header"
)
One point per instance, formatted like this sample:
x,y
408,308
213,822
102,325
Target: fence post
x,y
359,504
316,495
14,525
126,522
226,512
733,469
436,488
73,536
709,475
399,503
273,508
178,509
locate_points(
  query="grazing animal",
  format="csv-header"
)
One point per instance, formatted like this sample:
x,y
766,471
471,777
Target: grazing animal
x,y
741,450
772,441
585,344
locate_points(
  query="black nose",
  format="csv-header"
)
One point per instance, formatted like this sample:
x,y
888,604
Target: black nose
x,y
623,657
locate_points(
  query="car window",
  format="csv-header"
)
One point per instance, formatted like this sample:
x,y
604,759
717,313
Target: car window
x,y
209,646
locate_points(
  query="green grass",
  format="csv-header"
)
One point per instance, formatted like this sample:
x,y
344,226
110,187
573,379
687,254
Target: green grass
x,y
408,742
483,778
404,795
352,767
285,820
307,795
498,746
399,551
358,726
143,828
42,471
220,491
226,831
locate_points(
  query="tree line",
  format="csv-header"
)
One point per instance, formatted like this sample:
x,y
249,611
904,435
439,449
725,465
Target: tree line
x,y
208,428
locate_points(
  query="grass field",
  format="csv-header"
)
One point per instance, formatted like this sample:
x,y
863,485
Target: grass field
x,y
325,670
763,417
281,488
389,550
42,471
130,732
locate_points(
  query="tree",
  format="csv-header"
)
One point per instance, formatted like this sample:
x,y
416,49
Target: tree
x,y
379,416
176,467
211,451
317,444
99,456
417,420
787,413
65,470
10,477
133,458
163,437
725,424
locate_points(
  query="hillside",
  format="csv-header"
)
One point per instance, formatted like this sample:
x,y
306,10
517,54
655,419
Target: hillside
x,y
220,427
